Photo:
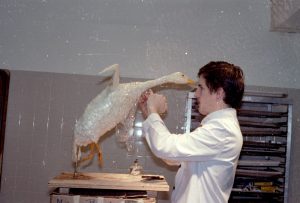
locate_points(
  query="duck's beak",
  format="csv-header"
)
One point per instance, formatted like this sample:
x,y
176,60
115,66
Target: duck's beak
x,y
191,83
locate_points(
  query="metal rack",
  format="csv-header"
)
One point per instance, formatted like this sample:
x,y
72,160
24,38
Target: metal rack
x,y
263,170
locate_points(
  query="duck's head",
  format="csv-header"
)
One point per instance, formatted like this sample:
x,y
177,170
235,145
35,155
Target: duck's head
x,y
179,78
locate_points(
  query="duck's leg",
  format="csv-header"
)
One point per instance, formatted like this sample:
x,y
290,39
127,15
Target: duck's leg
x,y
76,162
99,151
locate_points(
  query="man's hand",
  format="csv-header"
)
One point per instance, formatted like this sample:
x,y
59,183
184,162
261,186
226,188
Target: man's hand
x,y
157,103
152,103
142,103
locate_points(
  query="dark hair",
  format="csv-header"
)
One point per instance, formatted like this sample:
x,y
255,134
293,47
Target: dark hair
x,y
227,76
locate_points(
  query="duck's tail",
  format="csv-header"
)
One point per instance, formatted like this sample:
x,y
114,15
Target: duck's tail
x,y
116,73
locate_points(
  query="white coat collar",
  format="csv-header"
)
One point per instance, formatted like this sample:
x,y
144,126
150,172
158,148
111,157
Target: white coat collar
x,y
219,114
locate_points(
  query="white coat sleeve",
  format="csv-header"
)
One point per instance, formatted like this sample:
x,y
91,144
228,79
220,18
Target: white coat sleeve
x,y
201,144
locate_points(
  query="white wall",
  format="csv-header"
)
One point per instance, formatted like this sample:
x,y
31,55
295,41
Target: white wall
x,y
148,38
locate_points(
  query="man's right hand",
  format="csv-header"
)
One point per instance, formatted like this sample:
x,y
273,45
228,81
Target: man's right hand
x,y
157,103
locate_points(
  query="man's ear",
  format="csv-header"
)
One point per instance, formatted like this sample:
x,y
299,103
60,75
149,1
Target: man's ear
x,y
220,93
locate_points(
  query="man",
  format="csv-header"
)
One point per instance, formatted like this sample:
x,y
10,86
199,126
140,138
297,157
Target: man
x,y
207,156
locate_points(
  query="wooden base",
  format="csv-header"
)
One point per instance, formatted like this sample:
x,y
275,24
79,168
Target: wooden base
x,y
109,187
109,181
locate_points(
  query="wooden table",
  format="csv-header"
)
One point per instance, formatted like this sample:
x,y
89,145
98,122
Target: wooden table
x,y
109,181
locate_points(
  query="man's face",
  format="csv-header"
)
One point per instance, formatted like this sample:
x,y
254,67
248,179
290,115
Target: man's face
x,y
206,100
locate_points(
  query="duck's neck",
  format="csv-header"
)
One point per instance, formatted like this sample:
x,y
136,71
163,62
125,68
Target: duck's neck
x,y
153,83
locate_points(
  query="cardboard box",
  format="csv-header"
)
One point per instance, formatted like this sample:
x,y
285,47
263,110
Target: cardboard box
x,y
140,200
65,198
59,198
91,199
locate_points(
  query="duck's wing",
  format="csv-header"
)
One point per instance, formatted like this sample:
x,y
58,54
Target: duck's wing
x,y
115,69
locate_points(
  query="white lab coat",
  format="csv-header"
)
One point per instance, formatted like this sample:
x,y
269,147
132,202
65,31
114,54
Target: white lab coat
x,y
208,156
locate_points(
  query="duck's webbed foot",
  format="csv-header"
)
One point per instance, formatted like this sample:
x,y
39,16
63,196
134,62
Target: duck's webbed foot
x,y
94,148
